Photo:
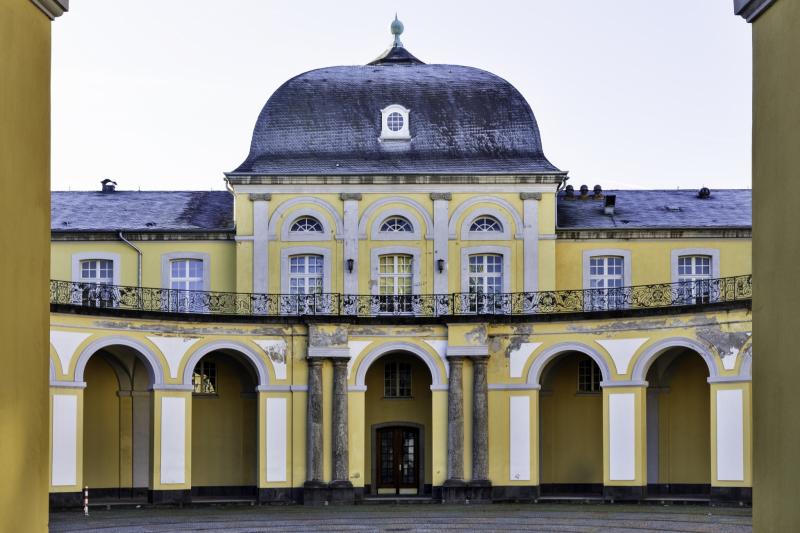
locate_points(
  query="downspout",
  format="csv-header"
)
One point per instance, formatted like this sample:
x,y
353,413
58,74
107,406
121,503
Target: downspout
x,y
138,259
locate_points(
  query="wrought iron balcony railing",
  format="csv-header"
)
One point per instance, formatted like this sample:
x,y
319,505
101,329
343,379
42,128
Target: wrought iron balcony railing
x,y
111,297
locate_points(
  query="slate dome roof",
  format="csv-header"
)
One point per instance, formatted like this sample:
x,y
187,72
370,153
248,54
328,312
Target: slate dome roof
x,y
462,120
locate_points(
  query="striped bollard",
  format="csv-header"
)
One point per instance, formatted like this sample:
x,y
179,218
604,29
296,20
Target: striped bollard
x,y
86,501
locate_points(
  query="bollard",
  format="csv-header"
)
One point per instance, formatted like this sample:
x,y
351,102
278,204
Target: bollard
x,y
86,501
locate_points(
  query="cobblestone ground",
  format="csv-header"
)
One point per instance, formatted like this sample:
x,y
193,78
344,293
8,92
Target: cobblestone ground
x,y
402,518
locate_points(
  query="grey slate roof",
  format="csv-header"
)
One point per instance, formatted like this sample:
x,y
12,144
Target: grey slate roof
x,y
141,211
641,209
462,120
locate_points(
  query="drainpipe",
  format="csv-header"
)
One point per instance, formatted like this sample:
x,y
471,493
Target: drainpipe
x,y
138,259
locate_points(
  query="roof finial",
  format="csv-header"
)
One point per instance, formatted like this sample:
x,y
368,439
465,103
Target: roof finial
x,y
397,29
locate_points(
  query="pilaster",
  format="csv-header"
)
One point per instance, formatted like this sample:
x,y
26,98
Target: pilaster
x,y
66,446
260,242
624,443
530,240
441,213
274,449
731,441
172,446
351,201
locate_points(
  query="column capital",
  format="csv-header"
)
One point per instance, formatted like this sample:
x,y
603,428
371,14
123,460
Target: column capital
x,y
259,197
328,352
530,196
350,196
441,196
467,351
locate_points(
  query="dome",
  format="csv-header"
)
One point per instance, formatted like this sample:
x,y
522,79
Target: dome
x,y
461,120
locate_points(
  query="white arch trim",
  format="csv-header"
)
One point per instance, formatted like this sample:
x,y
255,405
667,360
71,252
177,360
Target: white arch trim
x,y
438,381
154,368
306,211
375,228
540,361
492,212
259,364
651,353
275,220
413,204
500,202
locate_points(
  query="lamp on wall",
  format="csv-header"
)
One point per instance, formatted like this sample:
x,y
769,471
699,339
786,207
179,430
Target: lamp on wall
x,y
440,265
350,264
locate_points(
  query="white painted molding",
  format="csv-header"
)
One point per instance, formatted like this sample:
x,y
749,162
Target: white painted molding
x,y
86,256
64,453
173,440
415,207
327,268
467,351
500,215
627,267
730,379
375,228
501,203
541,360
155,369
519,438
678,252
505,251
518,358
328,352
260,365
625,383
65,343
622,436
306,211
67,384
166,267
730,435
173,348
437,379
513,386
646,358
276,220
275,439
621,351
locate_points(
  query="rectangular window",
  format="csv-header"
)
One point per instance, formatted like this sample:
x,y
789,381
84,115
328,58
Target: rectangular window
x,y
394,283
588,376
186,285
397,380
97,279
694,277
305,284
606,280
204,377
486,283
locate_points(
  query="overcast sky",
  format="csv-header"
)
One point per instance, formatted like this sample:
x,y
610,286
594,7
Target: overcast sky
x,y
628,93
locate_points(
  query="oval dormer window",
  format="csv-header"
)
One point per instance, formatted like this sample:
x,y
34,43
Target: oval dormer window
x,y
394,123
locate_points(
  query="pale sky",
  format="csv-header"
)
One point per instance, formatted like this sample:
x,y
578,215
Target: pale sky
x,y
164,94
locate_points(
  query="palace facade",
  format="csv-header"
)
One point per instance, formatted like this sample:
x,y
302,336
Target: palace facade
x,y
400,296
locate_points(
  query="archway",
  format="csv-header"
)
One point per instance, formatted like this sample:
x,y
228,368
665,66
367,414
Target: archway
x,y
224,425
398,425
678,424
571,425
117,422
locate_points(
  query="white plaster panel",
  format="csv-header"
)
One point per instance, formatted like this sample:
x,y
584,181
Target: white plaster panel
x,y
440,347
275,439
622,436
621,351
173,348
64,467
730,435
519,438
65,343
173,440
276,352
518,358
356,347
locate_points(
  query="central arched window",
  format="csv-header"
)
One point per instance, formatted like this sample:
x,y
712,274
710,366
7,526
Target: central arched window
x,y
306,225
397,224
486,224
305,274
394,283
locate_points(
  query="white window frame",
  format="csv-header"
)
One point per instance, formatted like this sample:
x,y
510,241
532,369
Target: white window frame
x,y
286,253
404,133
677,253
416,269
306,275
627,267
615,297
377,222
295,236
166,267
483,250
505,235
78,258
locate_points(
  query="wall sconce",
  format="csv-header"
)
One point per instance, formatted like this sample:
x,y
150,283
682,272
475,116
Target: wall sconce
x,y
350,264
440,265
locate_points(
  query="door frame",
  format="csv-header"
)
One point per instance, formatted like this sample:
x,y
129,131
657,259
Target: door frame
x,y
374,451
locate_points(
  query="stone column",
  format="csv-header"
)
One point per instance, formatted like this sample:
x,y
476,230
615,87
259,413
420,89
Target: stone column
x,y
480,420
314,435
454,486
341,487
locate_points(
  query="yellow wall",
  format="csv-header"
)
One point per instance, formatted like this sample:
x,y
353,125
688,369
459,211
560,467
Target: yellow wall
x,y
101,427
776,160
380,410
224,429
571,430
24,263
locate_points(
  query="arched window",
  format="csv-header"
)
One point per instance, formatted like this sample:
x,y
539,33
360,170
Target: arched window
x,y
486,224
306,225
397,224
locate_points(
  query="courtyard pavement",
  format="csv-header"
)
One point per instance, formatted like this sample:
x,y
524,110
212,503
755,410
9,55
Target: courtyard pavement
x,y
402,518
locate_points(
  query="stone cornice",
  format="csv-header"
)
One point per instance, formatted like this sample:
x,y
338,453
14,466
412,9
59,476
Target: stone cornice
x,y
52,8
750,10
405,179
666,233
142,236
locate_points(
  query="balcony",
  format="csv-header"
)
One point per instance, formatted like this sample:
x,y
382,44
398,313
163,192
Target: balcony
x,y
106,299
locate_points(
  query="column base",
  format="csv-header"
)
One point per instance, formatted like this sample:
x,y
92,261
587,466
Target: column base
x,y
169,497
624,493
731,496
277,496
454,491
479,491
315,493
341,493
515,493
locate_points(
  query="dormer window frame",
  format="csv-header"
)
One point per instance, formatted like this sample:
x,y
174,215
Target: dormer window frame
x,y
402,134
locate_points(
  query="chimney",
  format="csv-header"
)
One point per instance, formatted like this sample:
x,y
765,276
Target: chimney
x,y
598,192
108,185
704,193
584,192
569,192
611,200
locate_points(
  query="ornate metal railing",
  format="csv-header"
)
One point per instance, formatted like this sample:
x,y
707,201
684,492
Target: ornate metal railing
x,y
112,297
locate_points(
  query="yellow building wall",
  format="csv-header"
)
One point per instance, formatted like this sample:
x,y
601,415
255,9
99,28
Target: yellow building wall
x,y
24,263
571,430
102,467
224,440
380,410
